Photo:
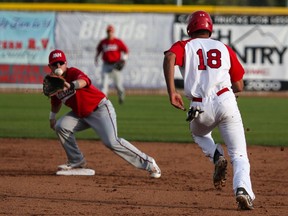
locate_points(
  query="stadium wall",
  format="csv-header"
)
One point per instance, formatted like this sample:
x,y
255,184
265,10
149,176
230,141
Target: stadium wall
x,y
30,31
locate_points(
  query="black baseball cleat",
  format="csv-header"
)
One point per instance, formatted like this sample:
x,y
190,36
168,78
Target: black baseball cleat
x,y
219,177
244,200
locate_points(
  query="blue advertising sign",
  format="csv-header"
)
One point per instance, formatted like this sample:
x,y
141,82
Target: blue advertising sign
x,y
26,38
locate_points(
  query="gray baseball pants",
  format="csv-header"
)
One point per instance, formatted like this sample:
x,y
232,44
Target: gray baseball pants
x,y
108,72
103,122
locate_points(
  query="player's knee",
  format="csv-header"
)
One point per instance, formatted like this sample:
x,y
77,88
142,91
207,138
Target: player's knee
x,y
59,128
112,143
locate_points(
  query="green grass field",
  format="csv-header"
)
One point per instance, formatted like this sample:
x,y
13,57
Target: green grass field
x,y
145,118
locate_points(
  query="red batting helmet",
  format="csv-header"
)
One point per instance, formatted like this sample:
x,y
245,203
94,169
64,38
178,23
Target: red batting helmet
x,y
199,20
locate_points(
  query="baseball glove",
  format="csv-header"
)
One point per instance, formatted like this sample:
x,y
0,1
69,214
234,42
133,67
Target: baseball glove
x,y
52,84
193,113
119,65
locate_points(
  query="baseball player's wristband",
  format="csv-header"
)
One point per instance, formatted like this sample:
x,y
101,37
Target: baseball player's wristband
x,y
52,115
74,85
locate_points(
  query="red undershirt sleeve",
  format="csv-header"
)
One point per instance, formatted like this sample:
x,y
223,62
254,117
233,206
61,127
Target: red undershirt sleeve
x,y
178,49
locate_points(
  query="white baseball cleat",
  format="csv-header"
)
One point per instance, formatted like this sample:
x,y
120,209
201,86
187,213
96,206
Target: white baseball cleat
x,y
76,172
68,166
64,167
155,171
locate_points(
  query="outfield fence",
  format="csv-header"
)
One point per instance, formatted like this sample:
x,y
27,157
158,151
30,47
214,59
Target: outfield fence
x,y
28,32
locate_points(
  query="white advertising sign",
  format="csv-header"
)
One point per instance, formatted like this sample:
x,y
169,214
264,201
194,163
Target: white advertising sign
x,y
146,35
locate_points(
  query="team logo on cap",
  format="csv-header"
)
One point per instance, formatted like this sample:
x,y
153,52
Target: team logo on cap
x,y
56,55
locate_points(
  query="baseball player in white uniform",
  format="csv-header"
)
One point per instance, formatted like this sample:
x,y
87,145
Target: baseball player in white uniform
x,y
212,74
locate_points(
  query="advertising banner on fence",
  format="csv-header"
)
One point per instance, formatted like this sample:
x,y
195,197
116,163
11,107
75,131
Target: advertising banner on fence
x,y
146,35
259,41
27,38
25,42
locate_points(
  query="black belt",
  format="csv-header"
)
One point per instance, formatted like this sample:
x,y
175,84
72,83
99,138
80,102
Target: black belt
x,y
95,109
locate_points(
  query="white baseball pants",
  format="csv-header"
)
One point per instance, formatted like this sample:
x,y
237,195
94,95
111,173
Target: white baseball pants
x,y
222,112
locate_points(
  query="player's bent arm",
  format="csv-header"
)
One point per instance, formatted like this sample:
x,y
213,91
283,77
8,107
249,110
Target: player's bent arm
x,y
96,57
168,68
76,84
54,110
238,86
52,116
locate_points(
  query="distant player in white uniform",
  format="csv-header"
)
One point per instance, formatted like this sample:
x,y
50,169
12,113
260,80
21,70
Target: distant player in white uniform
x,y
212,74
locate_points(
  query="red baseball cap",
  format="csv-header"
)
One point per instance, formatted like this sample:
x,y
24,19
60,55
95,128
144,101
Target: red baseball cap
x,y
110,28
57,56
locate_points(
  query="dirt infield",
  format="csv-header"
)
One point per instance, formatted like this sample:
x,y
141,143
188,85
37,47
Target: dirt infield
x,y
29,185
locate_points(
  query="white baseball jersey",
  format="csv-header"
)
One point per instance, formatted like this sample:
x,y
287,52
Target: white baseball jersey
x,y
207,66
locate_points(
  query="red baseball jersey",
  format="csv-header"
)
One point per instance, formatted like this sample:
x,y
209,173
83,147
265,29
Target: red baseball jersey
x,y
111,49
82,101
207,66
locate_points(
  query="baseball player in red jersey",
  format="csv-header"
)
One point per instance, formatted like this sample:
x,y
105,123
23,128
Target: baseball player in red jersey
x,y
113,50
89,109
212,74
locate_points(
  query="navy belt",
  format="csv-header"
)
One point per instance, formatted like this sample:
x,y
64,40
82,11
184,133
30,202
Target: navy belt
x,y
196,99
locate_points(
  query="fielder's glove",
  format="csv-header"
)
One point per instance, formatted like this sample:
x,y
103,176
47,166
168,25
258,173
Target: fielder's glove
x,y
119,65
193,113
52,84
